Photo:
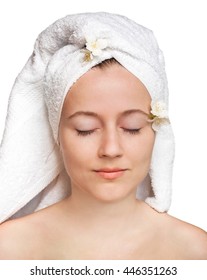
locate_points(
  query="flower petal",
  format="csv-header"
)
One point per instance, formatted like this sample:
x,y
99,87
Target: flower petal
x,y
159,109
94,47
96,52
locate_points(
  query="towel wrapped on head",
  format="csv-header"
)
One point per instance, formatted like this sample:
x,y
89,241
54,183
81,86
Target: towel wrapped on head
x,y
32,171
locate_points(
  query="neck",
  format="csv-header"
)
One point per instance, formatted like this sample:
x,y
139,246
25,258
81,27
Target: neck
x,y
93,213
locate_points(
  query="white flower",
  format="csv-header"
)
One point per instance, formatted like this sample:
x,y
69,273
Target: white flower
x,y
93,47
158,115
96,46
159,109
87,55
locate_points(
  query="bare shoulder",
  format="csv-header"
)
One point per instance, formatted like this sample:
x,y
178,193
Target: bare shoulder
x,y
30,237
11,240
18,238
190,240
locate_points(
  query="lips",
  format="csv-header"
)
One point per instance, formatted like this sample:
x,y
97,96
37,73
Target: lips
x,y
110,173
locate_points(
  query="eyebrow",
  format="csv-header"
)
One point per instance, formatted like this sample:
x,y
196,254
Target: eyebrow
x,y
93,114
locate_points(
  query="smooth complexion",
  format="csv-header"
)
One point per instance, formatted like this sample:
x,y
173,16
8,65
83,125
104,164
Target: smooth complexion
x,y
105,138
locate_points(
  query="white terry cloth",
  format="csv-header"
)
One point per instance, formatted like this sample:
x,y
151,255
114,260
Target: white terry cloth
x,y
32,174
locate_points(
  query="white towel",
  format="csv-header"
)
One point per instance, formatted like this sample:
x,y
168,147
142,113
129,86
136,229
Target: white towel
x,y
32,174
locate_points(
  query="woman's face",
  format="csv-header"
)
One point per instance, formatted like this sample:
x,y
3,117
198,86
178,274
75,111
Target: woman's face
x,y
105,139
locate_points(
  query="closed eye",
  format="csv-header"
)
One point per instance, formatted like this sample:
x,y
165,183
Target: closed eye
x,y
89,132
84,132
132,131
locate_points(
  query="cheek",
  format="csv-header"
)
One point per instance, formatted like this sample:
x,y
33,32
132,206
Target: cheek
x,y
75,153
141,150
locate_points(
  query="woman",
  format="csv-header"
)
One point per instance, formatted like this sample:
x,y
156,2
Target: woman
x,y
88,147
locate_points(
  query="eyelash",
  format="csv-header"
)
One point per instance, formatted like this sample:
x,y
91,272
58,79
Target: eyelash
x,y
84,132
89,132
132,131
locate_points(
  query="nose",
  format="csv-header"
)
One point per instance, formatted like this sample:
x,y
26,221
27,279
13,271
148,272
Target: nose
x,y
110,145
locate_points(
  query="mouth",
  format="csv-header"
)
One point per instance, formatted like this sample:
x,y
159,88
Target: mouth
x,y
110,173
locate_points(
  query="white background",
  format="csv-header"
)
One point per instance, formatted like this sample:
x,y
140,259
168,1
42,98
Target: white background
x,y
180,27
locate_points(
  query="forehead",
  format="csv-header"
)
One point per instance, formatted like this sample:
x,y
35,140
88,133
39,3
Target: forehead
x,y
113,88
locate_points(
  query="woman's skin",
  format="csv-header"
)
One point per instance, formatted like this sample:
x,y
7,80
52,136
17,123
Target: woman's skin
x,y
106,143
